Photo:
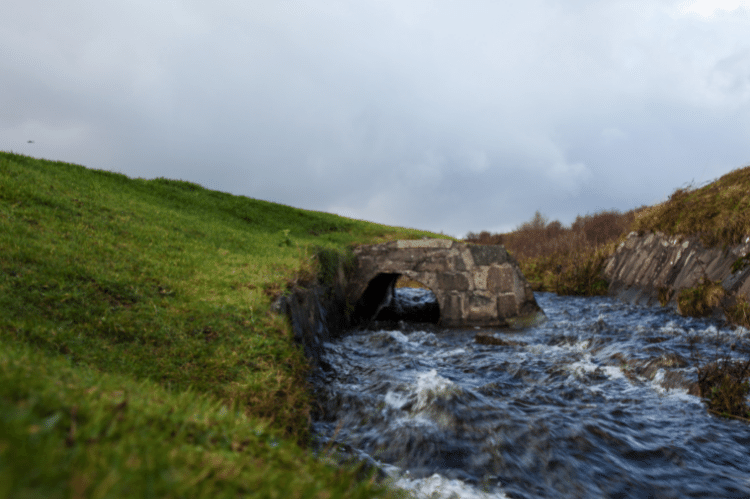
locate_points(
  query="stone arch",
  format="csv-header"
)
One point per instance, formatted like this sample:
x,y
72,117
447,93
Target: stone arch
x,y
474,285
380,299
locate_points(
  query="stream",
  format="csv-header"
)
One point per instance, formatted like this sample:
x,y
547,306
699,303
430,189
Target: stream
x,y
598,401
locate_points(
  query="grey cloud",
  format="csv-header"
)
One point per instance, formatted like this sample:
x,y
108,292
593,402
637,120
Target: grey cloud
x,y
443,115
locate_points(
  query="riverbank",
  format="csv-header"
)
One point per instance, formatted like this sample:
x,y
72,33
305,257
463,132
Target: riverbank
x,y
689,252
138,352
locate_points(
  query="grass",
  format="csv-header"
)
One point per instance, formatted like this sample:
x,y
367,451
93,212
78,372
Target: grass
x,y
138,353
72,431
701,299
707,296
739,312
724,385
719,213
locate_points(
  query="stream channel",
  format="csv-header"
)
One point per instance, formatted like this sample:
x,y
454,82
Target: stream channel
x,y
598,401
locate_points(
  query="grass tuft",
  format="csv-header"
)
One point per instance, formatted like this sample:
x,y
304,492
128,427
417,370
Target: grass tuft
x,y
700,300
725,386
739,312
719,213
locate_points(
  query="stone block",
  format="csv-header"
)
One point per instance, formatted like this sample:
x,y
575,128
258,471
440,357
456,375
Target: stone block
x,y
424,243
459,264
506,305
488,254
432,265
500,278
428,279
479,299
466,257
455,281
479,276
482,308
451,307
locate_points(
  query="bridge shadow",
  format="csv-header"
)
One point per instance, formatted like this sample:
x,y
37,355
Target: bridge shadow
x,y
392,298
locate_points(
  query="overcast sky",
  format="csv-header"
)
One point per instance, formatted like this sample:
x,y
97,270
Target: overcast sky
x,y
443,115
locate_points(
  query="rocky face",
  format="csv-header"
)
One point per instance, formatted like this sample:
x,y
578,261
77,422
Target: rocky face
x,y
474,285
645,267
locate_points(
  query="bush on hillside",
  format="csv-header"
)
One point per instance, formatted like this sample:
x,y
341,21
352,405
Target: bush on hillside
x,y
565,260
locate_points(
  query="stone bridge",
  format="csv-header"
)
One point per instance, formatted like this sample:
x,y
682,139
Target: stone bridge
x,y
474,285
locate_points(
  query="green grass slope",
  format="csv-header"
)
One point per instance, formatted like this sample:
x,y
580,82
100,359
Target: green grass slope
x,y
138,355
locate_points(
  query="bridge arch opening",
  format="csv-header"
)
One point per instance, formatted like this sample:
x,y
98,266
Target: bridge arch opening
x,y
394,297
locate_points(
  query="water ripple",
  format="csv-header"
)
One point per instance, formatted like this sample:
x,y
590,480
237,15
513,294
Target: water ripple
x,y
597,402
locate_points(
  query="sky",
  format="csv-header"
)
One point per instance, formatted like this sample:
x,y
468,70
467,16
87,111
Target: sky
x,y
444,115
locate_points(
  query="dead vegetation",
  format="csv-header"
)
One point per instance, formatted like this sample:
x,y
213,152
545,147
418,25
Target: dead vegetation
x,y
719,213
564,260
700,300
724,385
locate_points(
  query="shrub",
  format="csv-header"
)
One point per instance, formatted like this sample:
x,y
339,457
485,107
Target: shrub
x,y
565,260
724,385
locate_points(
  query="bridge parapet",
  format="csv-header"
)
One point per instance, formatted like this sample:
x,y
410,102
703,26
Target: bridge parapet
x,y
474,285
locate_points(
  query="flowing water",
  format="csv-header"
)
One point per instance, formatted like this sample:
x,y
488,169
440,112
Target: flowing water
x,y
599,401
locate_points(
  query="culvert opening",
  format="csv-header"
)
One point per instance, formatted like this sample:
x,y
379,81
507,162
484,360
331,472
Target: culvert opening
x,y
393,298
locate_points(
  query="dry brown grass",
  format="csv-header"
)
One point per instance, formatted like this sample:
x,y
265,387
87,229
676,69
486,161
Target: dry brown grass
x,y
719,213
565,260
739,312
724,385
405,282
700,300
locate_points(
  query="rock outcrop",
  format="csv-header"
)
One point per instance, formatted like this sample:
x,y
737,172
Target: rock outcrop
x,y
474,285
646,268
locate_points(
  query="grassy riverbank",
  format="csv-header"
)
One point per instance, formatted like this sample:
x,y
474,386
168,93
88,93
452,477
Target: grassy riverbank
x,y
138,355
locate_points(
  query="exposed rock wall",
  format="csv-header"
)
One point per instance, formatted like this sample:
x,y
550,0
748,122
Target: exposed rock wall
x,y
317,314
643,267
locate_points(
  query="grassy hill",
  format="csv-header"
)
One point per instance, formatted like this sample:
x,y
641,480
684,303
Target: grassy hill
x,y
138,355
718,212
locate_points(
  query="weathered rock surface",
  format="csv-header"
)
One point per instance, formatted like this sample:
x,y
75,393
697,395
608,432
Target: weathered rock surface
x,y
644,266
474,285
317,314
